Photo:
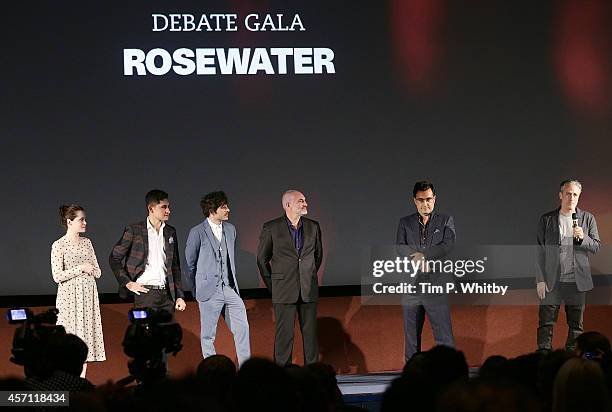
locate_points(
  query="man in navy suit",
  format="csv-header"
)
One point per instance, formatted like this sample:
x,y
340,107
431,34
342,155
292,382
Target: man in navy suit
x,y
211,269
426,236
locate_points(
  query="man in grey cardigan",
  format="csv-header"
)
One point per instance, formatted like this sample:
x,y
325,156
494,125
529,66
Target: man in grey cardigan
x,y
566,236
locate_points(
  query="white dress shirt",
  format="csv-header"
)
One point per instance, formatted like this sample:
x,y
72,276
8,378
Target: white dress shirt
x,y
155,269
217,229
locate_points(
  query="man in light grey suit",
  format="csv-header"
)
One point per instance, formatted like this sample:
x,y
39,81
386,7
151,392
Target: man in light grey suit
x,y
211,269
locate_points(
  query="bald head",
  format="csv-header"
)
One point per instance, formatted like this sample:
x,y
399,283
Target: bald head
x,y
288,197
294,204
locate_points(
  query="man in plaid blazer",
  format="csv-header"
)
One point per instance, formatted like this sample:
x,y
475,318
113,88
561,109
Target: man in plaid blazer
x,y
145,260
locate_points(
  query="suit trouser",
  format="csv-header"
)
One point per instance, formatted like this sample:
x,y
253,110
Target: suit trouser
x,y
156,299
438,310
549,311
285,326
235,317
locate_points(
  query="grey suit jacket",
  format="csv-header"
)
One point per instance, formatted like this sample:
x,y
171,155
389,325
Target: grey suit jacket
x,y
548,266
286,274
203,260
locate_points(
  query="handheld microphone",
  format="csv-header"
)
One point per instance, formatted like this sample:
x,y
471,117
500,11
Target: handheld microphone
x,y
575,223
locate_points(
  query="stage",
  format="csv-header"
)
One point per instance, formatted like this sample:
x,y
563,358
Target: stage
x,y
357,340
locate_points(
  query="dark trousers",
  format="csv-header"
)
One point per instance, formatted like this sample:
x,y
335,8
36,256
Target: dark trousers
x,y
438,311
285,325
549,312
156,299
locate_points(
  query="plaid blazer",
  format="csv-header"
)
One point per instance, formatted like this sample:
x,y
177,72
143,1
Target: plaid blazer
x,y
129,257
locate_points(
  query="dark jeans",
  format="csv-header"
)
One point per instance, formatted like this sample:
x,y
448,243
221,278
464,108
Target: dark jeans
x,y
549,312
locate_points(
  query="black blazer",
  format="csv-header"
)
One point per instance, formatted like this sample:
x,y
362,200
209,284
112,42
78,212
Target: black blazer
x,y
287,275
548,266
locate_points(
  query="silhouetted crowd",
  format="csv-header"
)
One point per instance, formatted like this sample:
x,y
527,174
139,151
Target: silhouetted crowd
x,y
557,381
436,380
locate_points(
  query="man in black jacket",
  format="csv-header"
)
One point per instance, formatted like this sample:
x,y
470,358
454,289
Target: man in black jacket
x,y
289,255
565,237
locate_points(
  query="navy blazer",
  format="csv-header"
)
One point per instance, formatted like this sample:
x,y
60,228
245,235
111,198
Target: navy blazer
x,y
440,239
439,242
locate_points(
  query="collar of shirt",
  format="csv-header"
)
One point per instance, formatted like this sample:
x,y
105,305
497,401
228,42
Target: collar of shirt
x,y
216,228
291,224
151,227
428,220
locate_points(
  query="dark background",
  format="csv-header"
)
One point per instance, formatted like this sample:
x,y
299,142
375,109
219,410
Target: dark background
x,y
493,101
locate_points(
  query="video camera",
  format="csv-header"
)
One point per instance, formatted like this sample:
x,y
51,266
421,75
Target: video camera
x,y
30,338
151,332
150,336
